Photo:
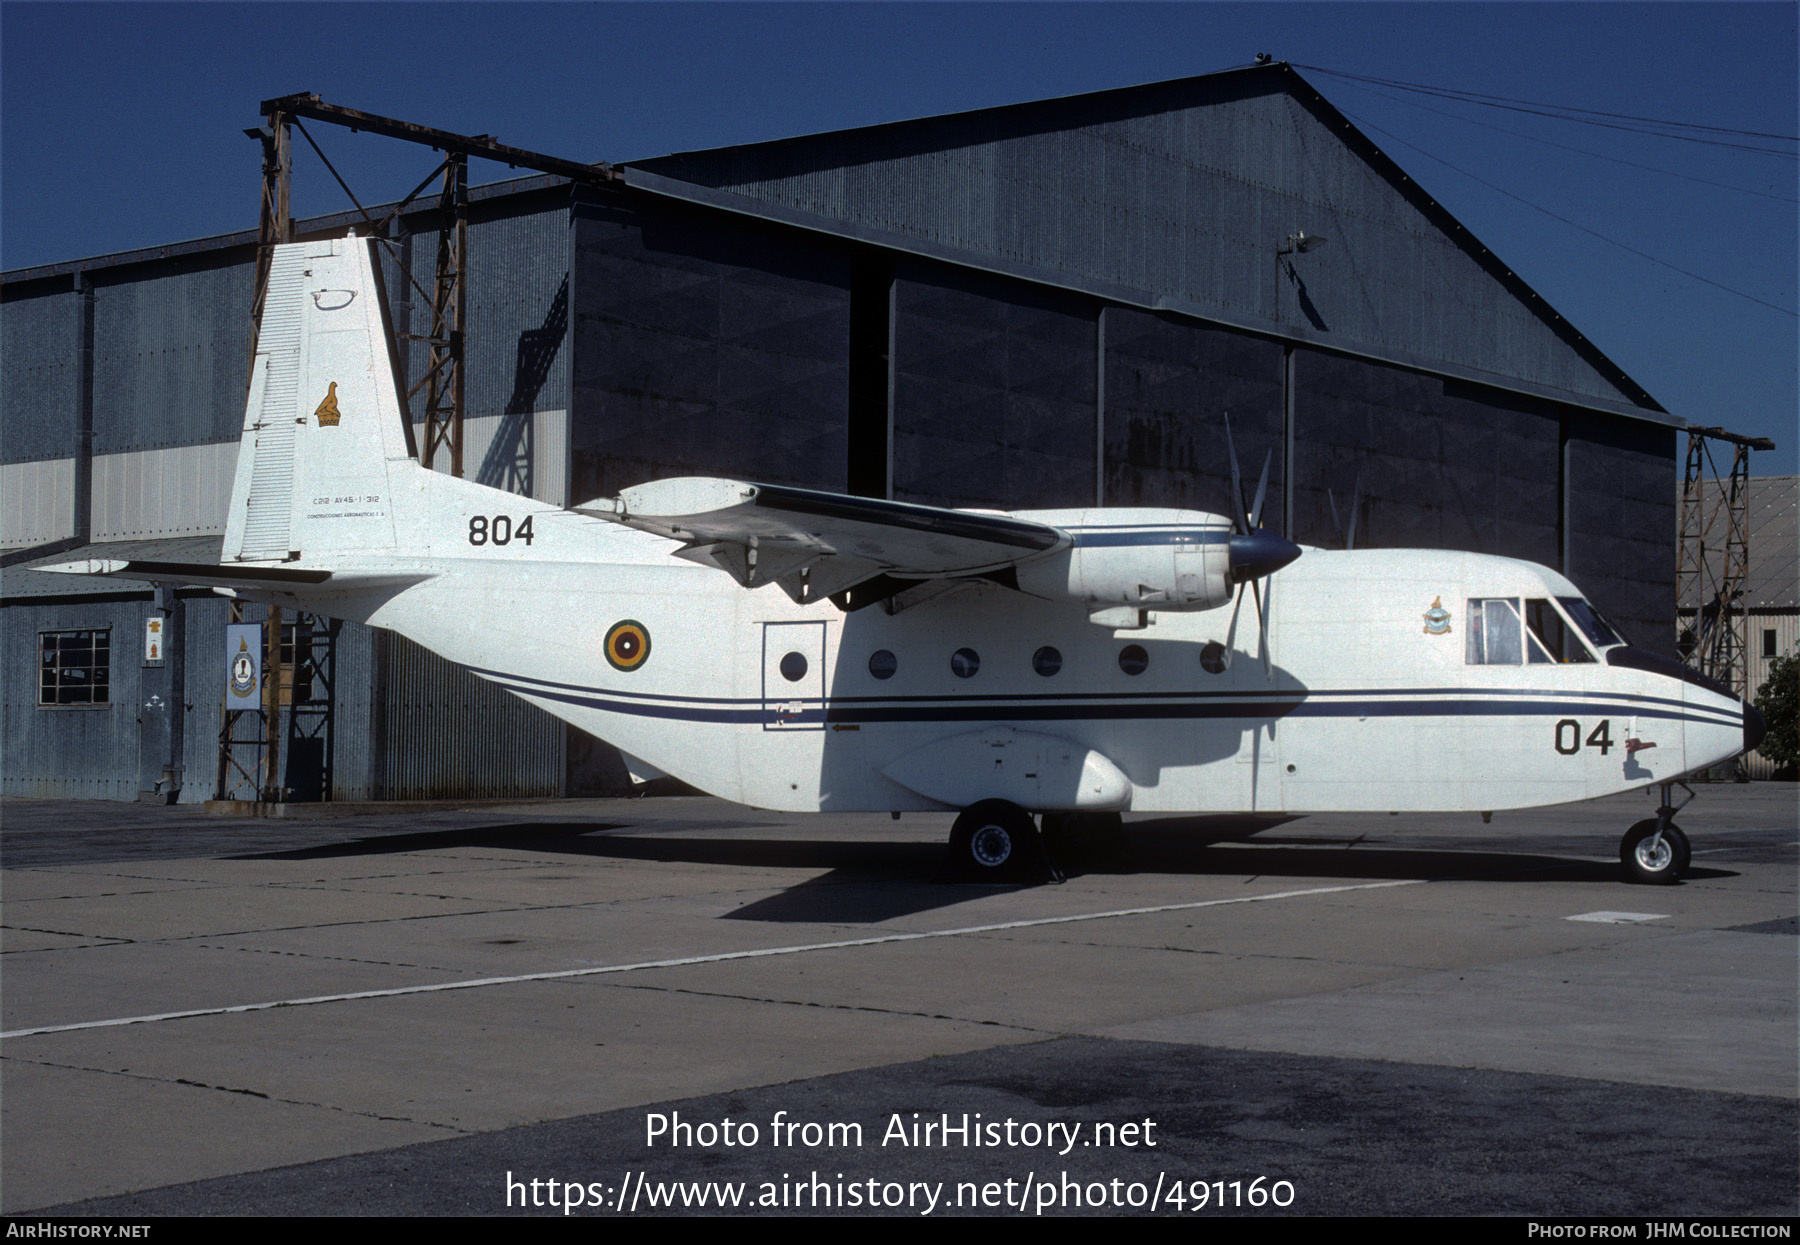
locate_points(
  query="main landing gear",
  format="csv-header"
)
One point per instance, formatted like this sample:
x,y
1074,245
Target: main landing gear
x,y
1655,852
997,841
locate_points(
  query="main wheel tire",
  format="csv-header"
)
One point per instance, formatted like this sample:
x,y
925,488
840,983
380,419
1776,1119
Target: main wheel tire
x,y
993,840
1662,865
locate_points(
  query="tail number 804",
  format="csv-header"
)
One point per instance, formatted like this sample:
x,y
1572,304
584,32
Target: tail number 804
x,y
499,530
1569,740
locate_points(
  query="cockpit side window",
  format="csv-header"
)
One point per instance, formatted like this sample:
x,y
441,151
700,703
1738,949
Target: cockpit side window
x,y
1592,625
1494,632
1550,639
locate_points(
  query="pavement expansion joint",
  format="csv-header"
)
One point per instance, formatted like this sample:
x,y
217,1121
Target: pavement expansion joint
x,y
843,1007
189,1083
105,940
311,956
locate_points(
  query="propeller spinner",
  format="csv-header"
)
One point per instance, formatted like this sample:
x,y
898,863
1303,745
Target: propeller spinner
x,y
1254,552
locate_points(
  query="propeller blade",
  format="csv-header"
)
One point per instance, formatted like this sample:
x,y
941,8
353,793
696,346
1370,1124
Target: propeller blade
x,y
1231,631
1262,488
1337,524
1237,484
1262,621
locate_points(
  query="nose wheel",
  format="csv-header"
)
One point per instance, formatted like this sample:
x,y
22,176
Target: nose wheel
x,y
1655,852
1652,859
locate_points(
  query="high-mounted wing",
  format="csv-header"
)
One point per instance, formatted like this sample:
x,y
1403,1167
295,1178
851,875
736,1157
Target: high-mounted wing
x,y
816,545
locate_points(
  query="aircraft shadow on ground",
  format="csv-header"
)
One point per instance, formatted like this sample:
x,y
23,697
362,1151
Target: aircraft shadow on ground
x,y
868,882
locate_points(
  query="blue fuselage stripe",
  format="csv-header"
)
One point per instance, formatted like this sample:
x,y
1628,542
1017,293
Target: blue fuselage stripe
x,y
1621,702
869,712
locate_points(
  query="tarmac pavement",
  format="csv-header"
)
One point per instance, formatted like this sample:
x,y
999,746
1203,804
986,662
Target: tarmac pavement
x,y
388,1014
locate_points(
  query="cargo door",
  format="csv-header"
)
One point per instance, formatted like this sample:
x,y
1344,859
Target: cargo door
x,y
794,676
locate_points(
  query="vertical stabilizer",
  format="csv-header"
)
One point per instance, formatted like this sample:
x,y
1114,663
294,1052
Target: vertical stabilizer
x,y
324,453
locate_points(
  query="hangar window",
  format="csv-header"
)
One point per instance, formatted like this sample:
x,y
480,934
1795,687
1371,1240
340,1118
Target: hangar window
x,y
75,668
1550,639
1769,649
1493,632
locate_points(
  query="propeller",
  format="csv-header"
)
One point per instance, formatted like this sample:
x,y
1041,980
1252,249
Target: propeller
x,y
1254,552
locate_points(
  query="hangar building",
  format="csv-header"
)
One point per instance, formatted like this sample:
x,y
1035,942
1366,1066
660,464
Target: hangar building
x,y
1047,304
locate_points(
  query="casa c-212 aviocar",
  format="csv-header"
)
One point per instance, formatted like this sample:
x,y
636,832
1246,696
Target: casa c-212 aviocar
x,y
805,651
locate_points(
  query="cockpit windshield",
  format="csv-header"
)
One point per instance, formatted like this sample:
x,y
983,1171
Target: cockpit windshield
x,y
1596,628
1552,639
1500,633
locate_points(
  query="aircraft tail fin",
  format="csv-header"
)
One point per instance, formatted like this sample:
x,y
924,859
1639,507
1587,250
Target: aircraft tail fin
x,y
326,456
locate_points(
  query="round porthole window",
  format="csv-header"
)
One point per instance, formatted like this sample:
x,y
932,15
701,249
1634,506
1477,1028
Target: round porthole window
x,y
1212,658
964,662
1046,661
1133,659
793,667
882,664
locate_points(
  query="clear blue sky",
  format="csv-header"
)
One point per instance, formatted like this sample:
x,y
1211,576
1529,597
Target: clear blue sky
x,y
120,125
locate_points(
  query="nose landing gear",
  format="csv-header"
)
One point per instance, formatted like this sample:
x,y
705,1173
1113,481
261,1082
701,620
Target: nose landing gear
x,y
1655,852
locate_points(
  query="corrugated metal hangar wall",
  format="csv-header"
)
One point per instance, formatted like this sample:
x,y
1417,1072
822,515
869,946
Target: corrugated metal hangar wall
x,y
1044,305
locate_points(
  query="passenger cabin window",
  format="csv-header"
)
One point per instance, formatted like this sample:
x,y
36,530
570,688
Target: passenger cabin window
x,y
1550,639
1494,632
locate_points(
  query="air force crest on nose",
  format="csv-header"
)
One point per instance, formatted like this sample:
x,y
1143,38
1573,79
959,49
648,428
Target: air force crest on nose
x,y
1437,618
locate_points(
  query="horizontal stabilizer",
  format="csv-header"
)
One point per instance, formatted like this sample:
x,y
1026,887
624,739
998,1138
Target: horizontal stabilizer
x,y
235,575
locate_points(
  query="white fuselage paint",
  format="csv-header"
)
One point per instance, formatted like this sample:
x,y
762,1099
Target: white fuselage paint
x,y
1365,710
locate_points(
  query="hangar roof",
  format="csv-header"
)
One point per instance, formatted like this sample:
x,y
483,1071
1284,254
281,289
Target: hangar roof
x,y
1176,196
1172,196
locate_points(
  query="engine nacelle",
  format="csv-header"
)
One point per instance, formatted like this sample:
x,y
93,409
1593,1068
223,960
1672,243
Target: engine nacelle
x,y
1179,561
1121,564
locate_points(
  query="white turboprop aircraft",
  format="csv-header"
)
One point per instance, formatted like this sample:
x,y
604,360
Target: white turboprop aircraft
x,y
806,651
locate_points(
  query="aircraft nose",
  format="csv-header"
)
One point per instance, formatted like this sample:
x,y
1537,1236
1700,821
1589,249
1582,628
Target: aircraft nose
x,y
1755,726
1260,553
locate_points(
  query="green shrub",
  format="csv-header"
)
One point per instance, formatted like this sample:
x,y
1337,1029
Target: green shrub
x,y
1778,700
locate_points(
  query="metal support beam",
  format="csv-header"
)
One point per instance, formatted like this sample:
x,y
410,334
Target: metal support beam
x,y
1712,557
444,406
82,527
275,220
313,108
271,789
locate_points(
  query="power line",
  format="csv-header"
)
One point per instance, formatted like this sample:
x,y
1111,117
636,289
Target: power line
x,y
1656,127
1573,224
1597,155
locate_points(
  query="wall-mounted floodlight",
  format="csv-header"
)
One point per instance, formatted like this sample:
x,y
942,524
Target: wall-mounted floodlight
x,y
1300,242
